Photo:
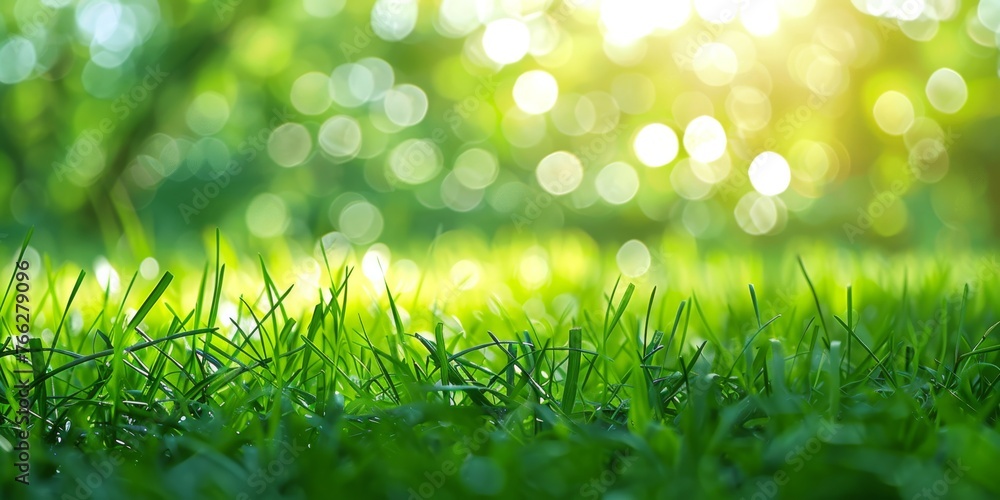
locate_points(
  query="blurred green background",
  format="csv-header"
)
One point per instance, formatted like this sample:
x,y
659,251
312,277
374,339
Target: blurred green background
x,y
143,125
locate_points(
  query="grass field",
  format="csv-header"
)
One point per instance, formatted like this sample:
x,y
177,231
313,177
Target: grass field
x,y
877,379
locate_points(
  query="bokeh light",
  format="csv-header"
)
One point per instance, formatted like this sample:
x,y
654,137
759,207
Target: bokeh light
x,y
310,93
769,173
289,144
360,222
946,91
476,168
632,118
560,173
893,112
757,214
633,259
17,60
617,183
715,64
506,41
536,92
406,105
340,137
267,216
705,139
656,145
415,161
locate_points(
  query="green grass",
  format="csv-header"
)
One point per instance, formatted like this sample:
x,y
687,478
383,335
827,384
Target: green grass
x,y
803,385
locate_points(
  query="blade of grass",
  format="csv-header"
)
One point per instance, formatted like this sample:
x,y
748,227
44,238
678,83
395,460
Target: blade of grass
x,y
573,368
812,289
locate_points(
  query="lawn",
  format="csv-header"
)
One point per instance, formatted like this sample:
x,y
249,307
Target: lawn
x,y
704,385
